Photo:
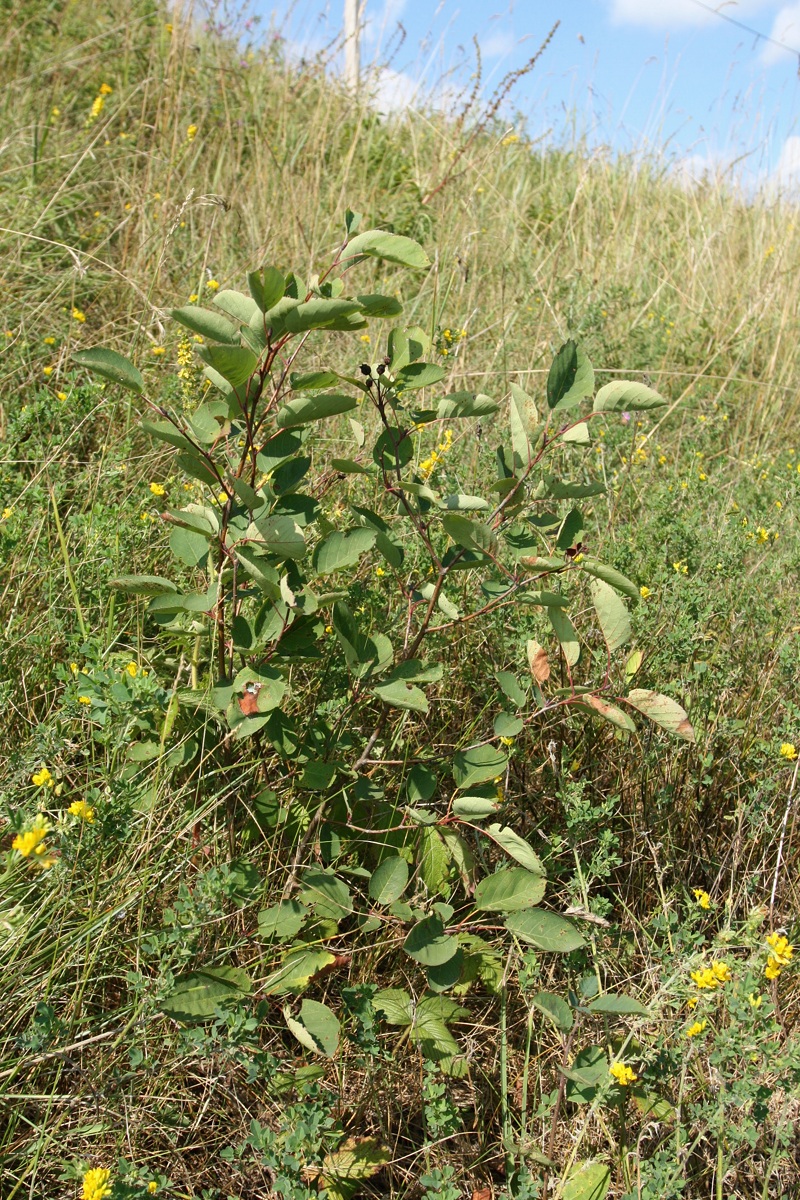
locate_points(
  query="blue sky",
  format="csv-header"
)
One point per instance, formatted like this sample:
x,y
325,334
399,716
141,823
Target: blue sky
x,y
667,75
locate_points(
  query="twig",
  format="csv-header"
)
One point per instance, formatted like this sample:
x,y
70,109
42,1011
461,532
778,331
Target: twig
x,y
785,822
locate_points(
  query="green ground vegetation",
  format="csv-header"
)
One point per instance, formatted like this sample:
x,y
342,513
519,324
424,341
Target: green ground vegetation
x,y
399,651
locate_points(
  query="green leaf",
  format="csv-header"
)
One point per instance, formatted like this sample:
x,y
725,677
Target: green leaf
x,y
393,449
346,1168
434,859
588,1070
571,377
320,313
471,534
389,881
143,585
296,971
428,944
341,550
545,930
391,247
512,688
395,1004
110,365
506,726
188,546
380,306
282,921
242,308
461,503
477,765
442,978
316,1027
165,431
517,848
347,466
197,995
266,287
420,375
234,363
609,575
613,1004
518,415
313,381
663,711
208,323
328,895
509,890
281,536
587,1181
473,808
554,1007
399,694
466,404
565,632
626,396
303,409
615,621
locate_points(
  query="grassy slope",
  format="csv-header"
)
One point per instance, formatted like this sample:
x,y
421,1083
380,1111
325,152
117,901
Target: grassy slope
x,y
124,217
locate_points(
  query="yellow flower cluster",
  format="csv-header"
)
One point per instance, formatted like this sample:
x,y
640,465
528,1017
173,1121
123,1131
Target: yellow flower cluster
x,y
158,489
622,1073
510,139
98,102
78,316
43,778
428,465
82,809
788,751
644,591
95,1184
780,955
681,567
713,976
31,843
696,1029
703,899
191,133
450,340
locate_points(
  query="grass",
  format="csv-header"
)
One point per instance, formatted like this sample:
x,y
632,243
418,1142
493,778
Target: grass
x,y
106,223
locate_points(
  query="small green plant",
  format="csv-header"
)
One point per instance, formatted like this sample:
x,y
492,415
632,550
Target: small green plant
x,y
320,630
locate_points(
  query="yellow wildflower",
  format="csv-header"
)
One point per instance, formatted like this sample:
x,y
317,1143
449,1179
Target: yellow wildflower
x,y
722,971
55,112
507,741
194,298
644,591
212,285
158,489
152,1187
95,1184
61,396
510,139
158,350
379,571
788,751
31,843
80,808
680,566
84,699
692,1002
702,898
8,513
47,371
695,1029
43,778
365,338
132,670
105,89
773,968
49,341
77,315
191,133
622,1073
780,949
713,976
755,1001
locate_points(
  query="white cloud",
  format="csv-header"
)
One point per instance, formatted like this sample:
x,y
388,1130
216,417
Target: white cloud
x,y
393,91
786,176
786,30
498,45
671,14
